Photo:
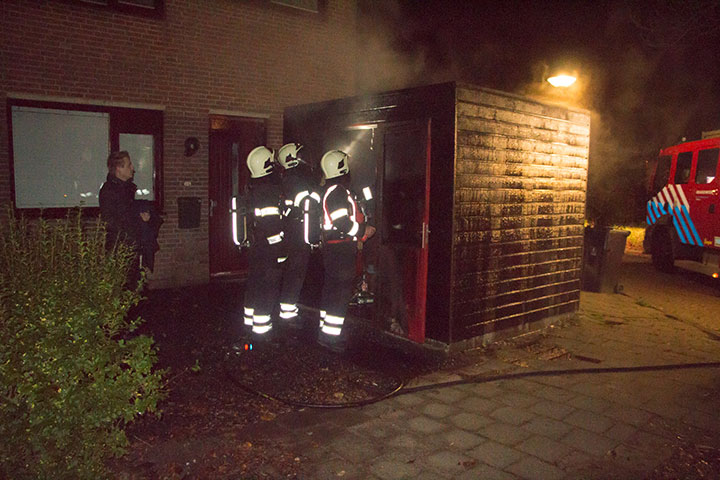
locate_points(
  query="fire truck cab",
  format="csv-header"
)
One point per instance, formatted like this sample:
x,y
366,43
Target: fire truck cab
x,y
683,213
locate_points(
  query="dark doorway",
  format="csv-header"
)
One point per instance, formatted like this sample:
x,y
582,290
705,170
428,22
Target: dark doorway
x,y
394,161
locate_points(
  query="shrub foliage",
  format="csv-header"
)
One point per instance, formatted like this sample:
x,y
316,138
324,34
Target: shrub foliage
x,y
71,377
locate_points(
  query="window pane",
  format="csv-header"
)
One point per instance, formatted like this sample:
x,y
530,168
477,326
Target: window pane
x,y
59,156
707,165
684,164
141,148
662,172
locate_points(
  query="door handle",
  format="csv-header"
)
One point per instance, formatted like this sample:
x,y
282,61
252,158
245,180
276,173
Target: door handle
x,y
213,204
425,234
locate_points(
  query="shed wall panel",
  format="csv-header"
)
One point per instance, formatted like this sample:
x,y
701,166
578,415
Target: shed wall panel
x,y
520,182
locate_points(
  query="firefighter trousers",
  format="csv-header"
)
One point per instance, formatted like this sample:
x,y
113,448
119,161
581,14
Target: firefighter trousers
x,y
338,284
293,278
261,288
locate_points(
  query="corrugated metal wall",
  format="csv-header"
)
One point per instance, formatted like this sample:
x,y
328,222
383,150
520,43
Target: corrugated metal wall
x,y
520,182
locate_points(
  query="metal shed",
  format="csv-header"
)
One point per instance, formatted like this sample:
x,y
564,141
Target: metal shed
x,y
480,205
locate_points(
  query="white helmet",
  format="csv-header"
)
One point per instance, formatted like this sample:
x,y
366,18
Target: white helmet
x,y
287,156
260,162
334,164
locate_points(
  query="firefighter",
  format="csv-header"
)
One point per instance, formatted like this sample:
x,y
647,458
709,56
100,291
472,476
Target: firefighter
x,y
343,226
266,252
301,216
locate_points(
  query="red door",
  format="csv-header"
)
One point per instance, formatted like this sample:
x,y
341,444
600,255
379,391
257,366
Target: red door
x,y
403,226
230,141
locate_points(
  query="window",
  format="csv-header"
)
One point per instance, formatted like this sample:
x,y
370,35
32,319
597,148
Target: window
x,y
707,165
152,8
59,153
682,170
662,173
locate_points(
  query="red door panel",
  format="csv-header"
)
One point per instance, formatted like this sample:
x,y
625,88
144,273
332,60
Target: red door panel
x,y
230,141
403,228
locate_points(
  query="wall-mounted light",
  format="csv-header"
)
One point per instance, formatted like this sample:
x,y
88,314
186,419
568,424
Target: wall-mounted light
x,y
562,80
361,127
192,145
366,126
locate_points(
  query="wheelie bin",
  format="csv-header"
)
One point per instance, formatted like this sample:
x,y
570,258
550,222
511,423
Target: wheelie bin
x,y
602,257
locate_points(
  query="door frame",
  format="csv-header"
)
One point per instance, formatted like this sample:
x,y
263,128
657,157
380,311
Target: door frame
x,y
416,321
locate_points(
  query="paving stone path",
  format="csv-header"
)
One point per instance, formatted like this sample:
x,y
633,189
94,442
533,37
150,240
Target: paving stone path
x,y
621,423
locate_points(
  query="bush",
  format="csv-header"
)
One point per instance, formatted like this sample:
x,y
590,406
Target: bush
x,y
70,376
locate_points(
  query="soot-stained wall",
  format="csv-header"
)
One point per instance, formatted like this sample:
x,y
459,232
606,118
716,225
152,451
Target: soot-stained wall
x,y
519,209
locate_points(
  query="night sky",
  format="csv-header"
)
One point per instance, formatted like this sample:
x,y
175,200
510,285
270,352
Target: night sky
x,y
649,71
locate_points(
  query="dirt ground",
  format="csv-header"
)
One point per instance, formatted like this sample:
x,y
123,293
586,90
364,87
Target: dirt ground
x,y
213,382
216,387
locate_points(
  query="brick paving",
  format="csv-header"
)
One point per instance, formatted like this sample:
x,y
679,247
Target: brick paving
x,y
594,425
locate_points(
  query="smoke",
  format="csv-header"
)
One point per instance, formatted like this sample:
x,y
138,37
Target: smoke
x,y
384,68
643,95
405,44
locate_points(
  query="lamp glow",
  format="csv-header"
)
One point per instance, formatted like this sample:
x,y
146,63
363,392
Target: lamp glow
x,y
561,80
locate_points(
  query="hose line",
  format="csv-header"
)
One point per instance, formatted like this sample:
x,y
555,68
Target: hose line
x,y
401,389
296,403
551,373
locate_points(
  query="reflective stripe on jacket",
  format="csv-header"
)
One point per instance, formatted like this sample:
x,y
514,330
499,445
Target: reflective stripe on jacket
x,y
265,205
298,189
342,219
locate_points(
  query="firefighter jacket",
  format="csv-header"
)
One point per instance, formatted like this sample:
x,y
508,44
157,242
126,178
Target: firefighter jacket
x,y
342,218
264,209
298,189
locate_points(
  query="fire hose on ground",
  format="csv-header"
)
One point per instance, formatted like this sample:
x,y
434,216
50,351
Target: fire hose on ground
x,y
401,389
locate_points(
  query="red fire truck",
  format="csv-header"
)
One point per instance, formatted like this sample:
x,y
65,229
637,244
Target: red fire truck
x,y
683,213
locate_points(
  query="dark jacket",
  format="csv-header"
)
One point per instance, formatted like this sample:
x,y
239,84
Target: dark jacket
x,y
296,186
265,211
117,209
148,232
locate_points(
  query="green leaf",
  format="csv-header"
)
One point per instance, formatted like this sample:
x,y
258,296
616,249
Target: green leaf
x,y
68,383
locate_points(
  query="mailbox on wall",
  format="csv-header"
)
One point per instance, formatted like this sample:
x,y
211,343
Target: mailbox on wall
x,y
188,212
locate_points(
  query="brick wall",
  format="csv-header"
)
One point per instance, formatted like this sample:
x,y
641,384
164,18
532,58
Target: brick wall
x,y
226,55
520,181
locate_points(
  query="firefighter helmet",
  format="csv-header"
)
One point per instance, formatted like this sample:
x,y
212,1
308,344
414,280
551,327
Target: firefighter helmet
x,y
260,162
334,164
288,156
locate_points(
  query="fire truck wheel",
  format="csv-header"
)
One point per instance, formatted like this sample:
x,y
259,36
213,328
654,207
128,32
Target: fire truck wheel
x,y
662,251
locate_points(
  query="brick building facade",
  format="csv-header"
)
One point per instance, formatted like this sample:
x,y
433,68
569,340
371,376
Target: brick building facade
x,y
194,61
